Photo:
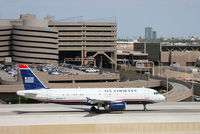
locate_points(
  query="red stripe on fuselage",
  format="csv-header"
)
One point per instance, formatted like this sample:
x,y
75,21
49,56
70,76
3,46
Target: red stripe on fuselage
x,y
135,100
86,100
61,100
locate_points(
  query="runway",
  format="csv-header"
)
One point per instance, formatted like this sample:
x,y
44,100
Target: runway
x,y
51,114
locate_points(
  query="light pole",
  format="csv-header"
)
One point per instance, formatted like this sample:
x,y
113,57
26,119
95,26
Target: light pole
x,y
101,62
192,90
167,88
125,64
160,69
147,80
19,100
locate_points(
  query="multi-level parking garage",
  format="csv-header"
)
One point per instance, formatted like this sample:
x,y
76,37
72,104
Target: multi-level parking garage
x,y
85,39
34,44
45,41
28,40
5,39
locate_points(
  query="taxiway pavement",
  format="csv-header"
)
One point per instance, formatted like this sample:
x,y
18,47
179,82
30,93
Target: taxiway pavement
x,y
49,114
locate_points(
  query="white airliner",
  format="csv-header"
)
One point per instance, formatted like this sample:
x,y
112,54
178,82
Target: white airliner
x,y
111,99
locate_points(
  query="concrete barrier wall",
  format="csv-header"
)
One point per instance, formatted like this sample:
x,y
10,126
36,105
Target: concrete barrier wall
x,y
130,84
124,76
45,77
164,84
133,76
125,128
3,82
173,80
170,98
197,89
14,88
84,77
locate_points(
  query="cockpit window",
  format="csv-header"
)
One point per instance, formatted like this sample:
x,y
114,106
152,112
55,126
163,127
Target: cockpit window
x,y
155,93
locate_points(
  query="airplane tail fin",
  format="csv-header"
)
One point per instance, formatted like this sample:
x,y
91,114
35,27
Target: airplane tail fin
x,y
30,80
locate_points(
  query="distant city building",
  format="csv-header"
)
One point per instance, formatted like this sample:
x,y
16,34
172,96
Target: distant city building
x,y
141,38
148,33
164,38
153,35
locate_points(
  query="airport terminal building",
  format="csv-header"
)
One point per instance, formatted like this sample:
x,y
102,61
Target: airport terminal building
x,y
167,54
37,41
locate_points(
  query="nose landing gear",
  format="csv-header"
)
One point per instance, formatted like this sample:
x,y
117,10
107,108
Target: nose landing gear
x,y
145,108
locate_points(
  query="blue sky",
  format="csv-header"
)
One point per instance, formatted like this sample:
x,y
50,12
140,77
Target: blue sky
x,y
170,18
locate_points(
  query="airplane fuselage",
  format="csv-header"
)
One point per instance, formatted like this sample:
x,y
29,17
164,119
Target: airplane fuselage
x,y
80,95
111,99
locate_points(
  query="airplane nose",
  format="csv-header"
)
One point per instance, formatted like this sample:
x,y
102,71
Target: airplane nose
x,y
162,98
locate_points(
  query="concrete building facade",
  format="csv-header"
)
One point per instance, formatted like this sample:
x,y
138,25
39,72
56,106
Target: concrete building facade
x,y
87,39
127,54
5,41
30,40
185,55
34,45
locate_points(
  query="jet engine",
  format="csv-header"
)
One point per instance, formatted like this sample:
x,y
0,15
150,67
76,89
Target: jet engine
x,y
116,106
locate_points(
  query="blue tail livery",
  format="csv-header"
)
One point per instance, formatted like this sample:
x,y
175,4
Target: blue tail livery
x,y
29,79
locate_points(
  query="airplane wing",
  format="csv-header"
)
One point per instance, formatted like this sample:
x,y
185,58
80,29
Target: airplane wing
x,y
99,100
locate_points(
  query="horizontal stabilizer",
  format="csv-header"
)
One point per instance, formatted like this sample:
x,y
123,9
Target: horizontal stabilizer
x,y
30,95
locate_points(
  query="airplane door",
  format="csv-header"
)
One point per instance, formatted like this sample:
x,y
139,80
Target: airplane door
x,y
146,95
48,96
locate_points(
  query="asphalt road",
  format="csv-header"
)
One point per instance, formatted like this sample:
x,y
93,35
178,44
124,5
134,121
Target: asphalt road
x,y
5,76
179,88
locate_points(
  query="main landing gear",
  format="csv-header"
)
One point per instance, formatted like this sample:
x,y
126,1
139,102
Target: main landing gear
x,y
145,108
94,109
